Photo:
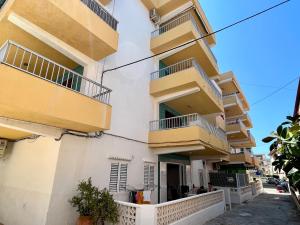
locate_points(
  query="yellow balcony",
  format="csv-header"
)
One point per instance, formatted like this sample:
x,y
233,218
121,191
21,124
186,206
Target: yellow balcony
x,y
82,24
229,85
188,130
164,7
105,2
236,130
255,162
247,142
183,76
36,89
247,120
179,31
232,105
243,157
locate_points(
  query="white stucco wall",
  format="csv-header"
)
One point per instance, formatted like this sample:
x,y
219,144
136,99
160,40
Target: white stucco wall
x,y
80,158
27,174
131,101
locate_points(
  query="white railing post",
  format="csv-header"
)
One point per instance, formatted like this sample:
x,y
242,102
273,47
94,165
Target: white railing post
x,y
146,215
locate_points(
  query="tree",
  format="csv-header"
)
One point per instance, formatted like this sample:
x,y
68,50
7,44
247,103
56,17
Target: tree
x,y
285,144
96,204
107,208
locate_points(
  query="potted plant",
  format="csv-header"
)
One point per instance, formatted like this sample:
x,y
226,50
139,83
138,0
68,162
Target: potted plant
x,y
94,205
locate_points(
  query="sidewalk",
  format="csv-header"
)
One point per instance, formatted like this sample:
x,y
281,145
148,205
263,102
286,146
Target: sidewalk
x,y
269,208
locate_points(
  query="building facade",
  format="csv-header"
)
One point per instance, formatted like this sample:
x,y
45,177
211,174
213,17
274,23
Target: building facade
x,y
161,124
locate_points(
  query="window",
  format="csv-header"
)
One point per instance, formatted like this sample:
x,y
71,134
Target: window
x,y
149,177
118,177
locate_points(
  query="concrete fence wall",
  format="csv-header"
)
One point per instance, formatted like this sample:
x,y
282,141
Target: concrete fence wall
x,y
195,210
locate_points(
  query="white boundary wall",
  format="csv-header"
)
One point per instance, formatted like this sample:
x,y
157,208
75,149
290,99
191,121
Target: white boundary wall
x,y
195,210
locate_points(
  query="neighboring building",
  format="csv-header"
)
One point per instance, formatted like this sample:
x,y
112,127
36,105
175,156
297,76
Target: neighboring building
x,y
238,125
264,164
165,115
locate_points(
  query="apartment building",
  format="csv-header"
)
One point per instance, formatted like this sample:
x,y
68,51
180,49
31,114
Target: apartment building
x,y
264,164
238,125
156,125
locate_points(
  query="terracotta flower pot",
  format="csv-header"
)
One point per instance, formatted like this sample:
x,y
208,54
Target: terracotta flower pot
x,y
85,220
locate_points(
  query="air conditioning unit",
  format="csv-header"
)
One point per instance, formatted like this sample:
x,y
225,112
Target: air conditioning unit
x,y
3,146
154,16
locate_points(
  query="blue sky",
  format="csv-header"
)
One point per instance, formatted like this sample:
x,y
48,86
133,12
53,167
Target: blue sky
x,y
264,54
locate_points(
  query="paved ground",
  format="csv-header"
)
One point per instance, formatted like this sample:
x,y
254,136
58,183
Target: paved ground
x,y
269,208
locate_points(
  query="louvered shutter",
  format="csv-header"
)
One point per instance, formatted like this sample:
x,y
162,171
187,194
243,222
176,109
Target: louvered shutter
x,y
123,177
146,177
151,178
114,175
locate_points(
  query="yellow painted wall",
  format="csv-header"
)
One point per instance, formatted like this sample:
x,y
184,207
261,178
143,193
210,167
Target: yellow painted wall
x,y
25,97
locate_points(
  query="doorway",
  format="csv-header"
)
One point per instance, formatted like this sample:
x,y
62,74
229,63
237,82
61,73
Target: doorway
x,y
173,181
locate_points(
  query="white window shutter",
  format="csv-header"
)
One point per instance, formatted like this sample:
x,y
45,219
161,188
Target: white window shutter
x,y
146,177
123,177
151,178
114,175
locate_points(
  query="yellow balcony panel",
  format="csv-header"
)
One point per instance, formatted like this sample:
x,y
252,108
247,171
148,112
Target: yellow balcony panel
x,y
104,2
12,134
150,4
164,7
74,22
243,157
247,120
233,106
36,89
236,130
247,142
229,85
255,162
179,31
183,76
187,130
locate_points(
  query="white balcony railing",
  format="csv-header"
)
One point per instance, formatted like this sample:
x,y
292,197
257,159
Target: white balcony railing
x,y
102,13
30,62
183,65
186,121
178,21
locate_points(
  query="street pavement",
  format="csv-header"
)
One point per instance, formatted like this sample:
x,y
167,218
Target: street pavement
x,y
269,208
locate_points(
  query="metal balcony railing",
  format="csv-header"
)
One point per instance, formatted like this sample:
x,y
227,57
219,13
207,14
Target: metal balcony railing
x,y
102,13
183,65
28,61
178,21
2,2
186,121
